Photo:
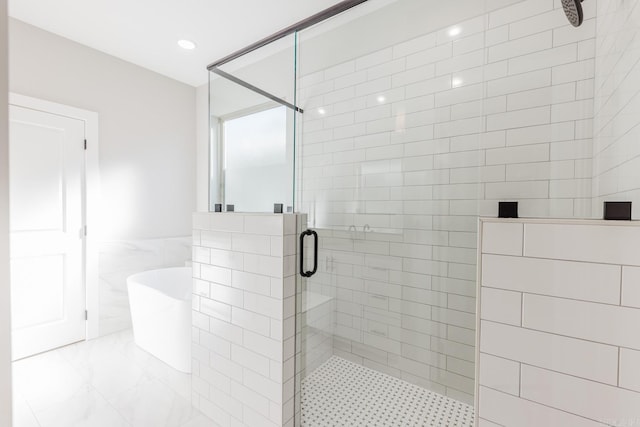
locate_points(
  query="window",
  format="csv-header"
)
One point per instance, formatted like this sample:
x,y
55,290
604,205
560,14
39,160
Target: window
x,y
255,163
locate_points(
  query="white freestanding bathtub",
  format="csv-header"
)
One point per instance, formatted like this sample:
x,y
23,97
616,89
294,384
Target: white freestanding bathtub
x,y
160,303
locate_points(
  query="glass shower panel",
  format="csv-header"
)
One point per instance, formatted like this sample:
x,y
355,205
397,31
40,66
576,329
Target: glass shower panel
x,y
391,174
418,117
270,68
252,124
616,154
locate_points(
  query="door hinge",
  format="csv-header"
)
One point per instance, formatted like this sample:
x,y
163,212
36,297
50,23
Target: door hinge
x,y
85,144
86,315
85,231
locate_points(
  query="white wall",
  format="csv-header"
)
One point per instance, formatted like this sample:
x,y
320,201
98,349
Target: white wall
x,y
5,329
147,141
147,128
617,99
202,149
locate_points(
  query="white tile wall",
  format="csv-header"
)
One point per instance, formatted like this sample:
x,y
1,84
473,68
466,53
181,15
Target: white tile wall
x,y
244,317
559,339
414,142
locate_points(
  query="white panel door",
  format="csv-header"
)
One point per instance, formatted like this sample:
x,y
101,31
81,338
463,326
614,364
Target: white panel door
x,y
46,165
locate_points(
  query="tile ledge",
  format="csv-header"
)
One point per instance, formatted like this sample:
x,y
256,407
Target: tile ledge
x,y
245,213
565,221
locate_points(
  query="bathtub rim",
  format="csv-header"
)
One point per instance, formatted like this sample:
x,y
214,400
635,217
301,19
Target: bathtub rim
x,y
131,280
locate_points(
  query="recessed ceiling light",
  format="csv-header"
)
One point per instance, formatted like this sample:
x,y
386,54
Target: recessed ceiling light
x,y
455,31
381,99
322,111
456,82
187,44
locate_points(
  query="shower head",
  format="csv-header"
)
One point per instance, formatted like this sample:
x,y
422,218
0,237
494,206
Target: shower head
x,y
573,10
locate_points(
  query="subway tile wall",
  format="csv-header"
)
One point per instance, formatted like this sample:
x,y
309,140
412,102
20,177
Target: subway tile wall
x,y
617,96
403,148
244,314
559,340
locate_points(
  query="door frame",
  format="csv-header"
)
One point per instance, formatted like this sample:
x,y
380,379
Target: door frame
x,y
90,202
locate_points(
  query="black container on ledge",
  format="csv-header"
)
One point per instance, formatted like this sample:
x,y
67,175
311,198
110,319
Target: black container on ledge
x,y
507,209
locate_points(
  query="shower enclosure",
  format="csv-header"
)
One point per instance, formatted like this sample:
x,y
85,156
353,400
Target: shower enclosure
x,y
394,125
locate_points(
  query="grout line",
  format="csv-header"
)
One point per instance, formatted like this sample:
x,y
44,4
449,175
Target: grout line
x,y
621,282
519,379
618,371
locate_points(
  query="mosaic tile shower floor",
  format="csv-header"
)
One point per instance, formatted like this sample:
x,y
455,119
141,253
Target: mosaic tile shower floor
x,y
343,393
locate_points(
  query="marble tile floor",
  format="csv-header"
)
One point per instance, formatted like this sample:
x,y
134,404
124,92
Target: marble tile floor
x,y
343,393
107,382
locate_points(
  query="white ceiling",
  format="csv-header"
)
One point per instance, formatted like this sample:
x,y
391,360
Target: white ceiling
x,y
145,32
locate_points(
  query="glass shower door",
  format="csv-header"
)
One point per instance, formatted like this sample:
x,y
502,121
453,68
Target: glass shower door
x,y
391,174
